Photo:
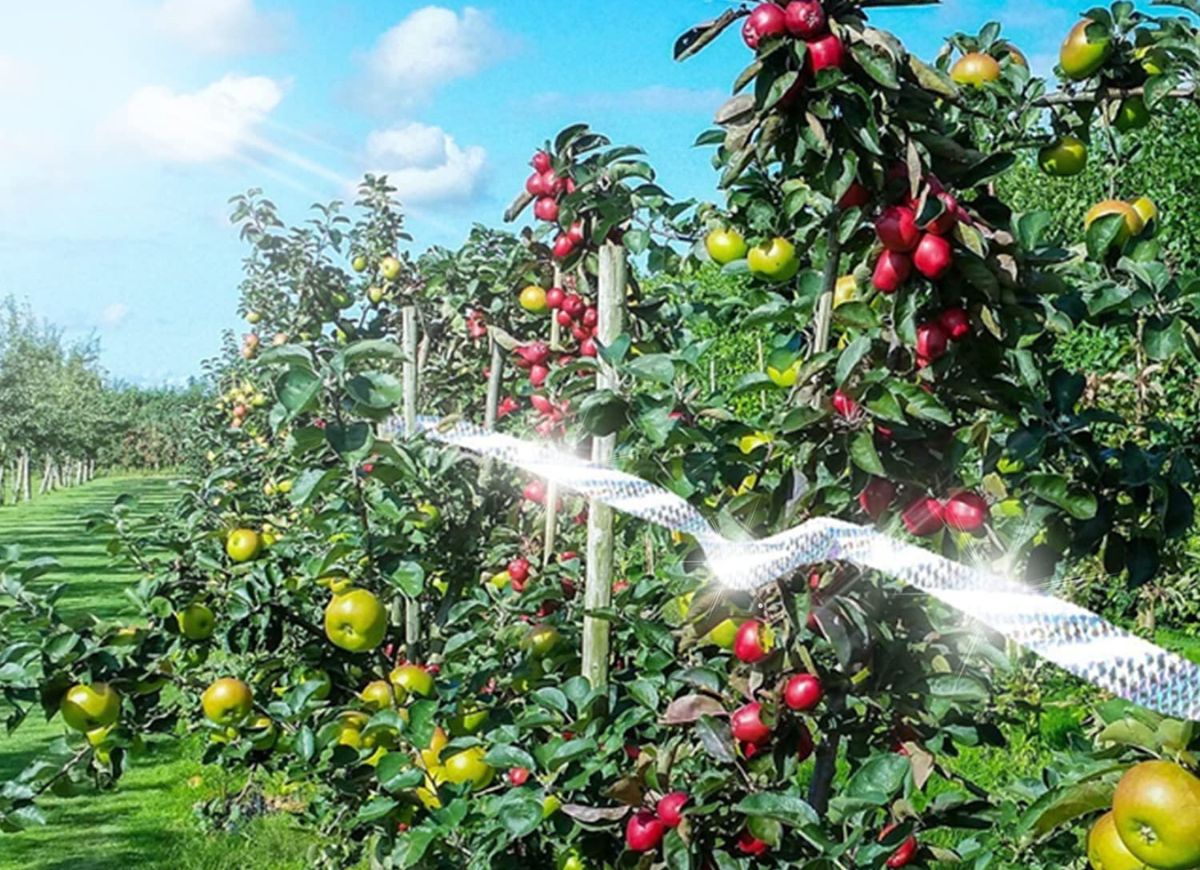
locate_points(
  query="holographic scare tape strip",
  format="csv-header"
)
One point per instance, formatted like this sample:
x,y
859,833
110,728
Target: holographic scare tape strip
x,y
1073,638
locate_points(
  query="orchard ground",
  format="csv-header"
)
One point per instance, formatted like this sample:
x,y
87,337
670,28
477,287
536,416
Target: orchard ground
x,y
148,821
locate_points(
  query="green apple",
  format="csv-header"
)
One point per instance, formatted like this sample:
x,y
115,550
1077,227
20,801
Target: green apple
x,y
356,620
86,708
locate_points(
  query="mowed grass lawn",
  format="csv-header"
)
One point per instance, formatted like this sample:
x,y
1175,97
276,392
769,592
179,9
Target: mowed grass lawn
x,y
148,820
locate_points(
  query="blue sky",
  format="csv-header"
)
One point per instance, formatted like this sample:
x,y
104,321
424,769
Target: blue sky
x,y
125,125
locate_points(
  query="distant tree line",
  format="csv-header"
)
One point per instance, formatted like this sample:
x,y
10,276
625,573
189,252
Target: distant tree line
x,y
62,420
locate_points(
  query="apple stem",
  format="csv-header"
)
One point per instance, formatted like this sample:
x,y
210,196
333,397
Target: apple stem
x,y
610,301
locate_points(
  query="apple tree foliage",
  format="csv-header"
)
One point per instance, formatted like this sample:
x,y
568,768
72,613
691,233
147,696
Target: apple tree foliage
x,y
510,757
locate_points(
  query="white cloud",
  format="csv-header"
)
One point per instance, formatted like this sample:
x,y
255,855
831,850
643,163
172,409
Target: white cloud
x,y
430,48
215,123
221,26
113,315
426,165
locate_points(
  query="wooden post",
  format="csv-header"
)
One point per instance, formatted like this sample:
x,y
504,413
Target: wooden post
x,y
551,526
408,340
824,315
610,303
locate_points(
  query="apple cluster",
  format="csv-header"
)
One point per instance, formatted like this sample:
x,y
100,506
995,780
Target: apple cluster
x,y
547,187
924,516
801,19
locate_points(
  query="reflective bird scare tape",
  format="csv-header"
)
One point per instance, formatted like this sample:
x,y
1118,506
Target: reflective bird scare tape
x,y
1075,639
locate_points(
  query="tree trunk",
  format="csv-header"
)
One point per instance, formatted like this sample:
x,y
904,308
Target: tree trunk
x,y
47,469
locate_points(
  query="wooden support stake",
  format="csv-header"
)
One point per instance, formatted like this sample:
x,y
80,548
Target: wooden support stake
x,y
824,318
610,302
408,340
548,531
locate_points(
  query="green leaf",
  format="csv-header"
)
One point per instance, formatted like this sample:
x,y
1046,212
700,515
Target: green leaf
x,y
396,773
297,390
716,738
376,808
1056,489
288,354
552,699
1102,235
1164,340
375,348
1061,806
309,485
859,315
958,687
409,578
879,779
864,454
504,755
652,367
351,442
850,358
788,809
520,811
876,63
376,390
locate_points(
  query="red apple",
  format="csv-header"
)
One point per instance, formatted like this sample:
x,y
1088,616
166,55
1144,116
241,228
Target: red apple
x,y
753,641
956,322
575,232
965,511
574,305
535,491
518,776
554,298
891,271
904,854
897,228
804,744
518,569
590,317
534,353
933,256
546,209
552,183
587,347
803,692
563,317
644,831
748,844
746,724
538,375
670,808
766,21
540,161
825,53
931,341
944,223
876,497
564,246
855,195
805,18
923,517
535,185
843,404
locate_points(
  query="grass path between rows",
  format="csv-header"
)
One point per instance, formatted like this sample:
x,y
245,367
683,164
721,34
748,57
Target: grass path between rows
x,y
148,820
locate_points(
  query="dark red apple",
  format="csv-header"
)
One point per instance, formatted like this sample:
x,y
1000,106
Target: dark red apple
x,y
766,21
746,724
965,511
803,692
538,375
923,517
956,322
855,196
748,844
518,569
891,271
554,298
897,228
587,347
553,184
876,497
546,209
540,161
945,222
844,404
753,641
564,246
535,185
644,831
933,256
931,341
805,18
670,808
804,744
825,53
574,305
